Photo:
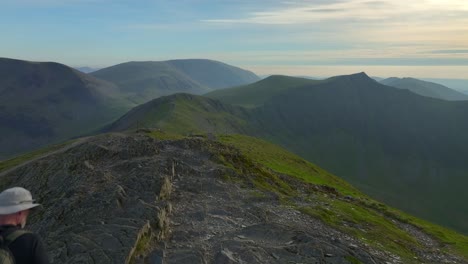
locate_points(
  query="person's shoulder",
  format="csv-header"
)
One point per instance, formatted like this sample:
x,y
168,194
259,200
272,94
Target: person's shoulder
x,y
26,236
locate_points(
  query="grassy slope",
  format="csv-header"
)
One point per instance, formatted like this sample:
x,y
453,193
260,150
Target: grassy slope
x,y
359,216
368,133
185,114
378,229
10,163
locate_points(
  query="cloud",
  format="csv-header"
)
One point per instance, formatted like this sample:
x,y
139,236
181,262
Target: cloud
x,y
372,70
450,51
290,13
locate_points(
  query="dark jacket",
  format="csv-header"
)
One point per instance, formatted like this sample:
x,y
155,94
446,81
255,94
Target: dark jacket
x,y
27,249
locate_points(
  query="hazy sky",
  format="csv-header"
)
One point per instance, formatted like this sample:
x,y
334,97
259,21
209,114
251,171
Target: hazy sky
x,y
420,38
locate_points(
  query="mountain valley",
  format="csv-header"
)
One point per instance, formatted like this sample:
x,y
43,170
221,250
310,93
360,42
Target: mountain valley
x,y
177,178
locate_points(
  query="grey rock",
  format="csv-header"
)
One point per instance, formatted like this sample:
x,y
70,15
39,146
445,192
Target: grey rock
x,y
129,198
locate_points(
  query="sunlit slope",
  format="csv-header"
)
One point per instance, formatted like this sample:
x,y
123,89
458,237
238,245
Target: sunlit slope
x,y
185,114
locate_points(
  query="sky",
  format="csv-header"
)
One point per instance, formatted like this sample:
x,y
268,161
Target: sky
x,y
419,38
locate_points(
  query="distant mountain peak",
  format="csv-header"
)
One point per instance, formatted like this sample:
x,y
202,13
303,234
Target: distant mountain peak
x,y
356,77
360,75
146,80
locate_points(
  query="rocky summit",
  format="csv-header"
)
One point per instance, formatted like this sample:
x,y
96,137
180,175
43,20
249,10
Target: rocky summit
x,y
141,198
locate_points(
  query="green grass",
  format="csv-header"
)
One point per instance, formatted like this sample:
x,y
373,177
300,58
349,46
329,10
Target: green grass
x,y
366,224
141,246
201,115
261,177
456,242
159,134
10,163
366,219
282,161
353,260
354,218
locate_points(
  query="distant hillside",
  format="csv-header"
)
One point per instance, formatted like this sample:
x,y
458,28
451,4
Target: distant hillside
x,y
214,74
191,114
260,92
425,88
157,197
41,103
460,85
143,81
406,149
86,69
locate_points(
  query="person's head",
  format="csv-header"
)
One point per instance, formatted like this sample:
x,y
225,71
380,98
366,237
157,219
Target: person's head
x,y
15,204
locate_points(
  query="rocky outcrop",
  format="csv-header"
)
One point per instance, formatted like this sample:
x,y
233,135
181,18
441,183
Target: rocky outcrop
x,y
120,198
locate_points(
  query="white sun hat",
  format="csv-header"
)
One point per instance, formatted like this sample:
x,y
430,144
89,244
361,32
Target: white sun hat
x,y
15,200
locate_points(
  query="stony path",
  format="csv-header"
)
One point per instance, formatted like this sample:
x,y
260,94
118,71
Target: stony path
x,y
214,221
133,199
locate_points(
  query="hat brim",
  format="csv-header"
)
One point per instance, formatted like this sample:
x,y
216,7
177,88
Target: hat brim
x,y
6,210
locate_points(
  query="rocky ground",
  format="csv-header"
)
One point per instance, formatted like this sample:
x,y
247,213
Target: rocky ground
x,y
120,198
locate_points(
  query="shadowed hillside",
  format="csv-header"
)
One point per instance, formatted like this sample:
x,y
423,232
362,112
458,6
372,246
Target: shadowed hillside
x,y
41,103
400,147
154,197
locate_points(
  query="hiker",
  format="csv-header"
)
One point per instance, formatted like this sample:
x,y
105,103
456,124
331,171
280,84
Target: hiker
x,y
16,244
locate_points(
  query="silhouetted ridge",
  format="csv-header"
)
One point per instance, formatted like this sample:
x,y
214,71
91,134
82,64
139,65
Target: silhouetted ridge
x,y
361,77
425,88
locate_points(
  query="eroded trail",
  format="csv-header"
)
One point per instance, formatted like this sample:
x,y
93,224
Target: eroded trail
x,y
214,221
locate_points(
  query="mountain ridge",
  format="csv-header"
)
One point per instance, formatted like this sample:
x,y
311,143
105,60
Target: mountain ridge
x,y
425,88
143,81
46,102
362,131
150,195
